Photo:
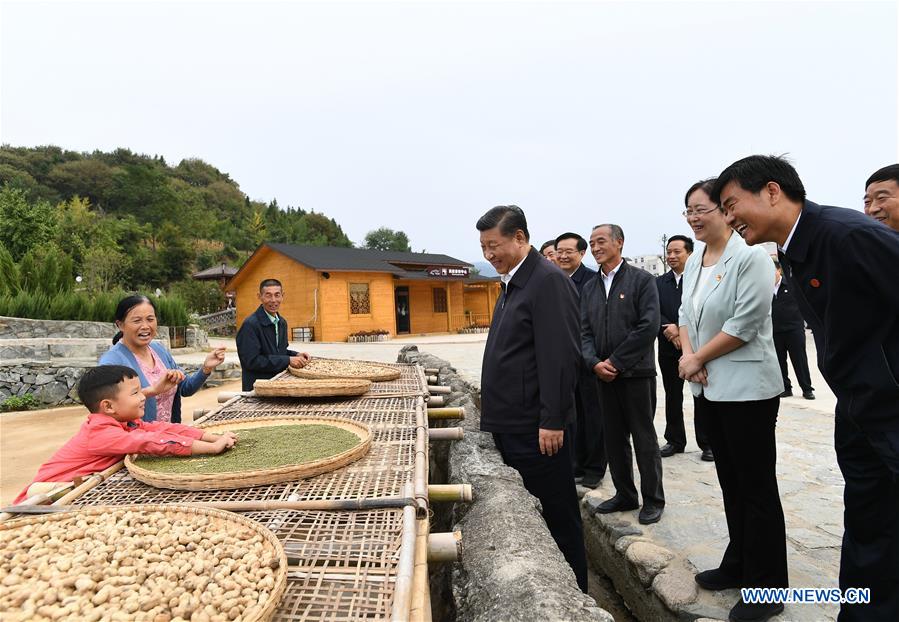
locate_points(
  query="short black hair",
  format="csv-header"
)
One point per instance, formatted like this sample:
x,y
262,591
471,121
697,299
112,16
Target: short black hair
x,y
547,243
705,185
887,173
754,172
509,219
270,283
688,242
102,383
616,231
581,242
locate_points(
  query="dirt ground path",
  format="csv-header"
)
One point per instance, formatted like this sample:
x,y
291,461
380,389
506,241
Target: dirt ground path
x,y
29,438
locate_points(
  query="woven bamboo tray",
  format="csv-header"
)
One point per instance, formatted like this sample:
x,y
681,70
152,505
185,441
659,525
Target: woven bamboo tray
x,y
345,368
301,387
258,477
222,521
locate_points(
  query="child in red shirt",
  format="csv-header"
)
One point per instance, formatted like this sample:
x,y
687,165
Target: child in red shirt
x,y
114,428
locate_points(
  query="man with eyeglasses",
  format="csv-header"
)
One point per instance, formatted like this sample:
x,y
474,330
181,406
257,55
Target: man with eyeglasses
x,y
262,339
589,449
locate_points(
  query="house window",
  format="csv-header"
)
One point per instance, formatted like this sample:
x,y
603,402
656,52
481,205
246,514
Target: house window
x,y
439,300
360,302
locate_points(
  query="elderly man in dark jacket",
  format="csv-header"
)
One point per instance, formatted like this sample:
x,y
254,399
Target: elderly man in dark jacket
x,y
619,320
529,375
262,339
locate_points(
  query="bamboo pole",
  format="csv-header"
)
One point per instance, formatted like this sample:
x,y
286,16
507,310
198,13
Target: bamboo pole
x,y
432,371
420,476
436,400
446,413
90,482
405,568
461,493
199,412
445,547
252,506
41,499
421,589
227,396
438,390
446,434
432,379
218,409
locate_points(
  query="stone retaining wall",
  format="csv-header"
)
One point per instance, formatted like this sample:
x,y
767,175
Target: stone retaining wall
x,y
23,328
54,383
511,568
13,329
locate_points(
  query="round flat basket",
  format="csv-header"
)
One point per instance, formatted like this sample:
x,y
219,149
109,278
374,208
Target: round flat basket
x,y
345,368
257,476
300,387
140,562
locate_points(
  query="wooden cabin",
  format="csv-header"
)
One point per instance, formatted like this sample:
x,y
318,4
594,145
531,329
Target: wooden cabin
x,y
331,293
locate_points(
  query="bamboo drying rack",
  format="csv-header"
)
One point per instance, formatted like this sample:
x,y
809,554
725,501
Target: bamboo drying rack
x,y
356,538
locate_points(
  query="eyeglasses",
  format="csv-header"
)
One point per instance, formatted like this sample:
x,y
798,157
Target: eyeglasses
x,y
687,213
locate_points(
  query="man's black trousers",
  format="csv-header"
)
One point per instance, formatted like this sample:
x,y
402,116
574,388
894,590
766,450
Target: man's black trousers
x,y
743,441
868,456
792,342
549,478
628,405
589,448
675,434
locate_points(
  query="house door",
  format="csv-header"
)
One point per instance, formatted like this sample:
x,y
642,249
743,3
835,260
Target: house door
x,y
403,323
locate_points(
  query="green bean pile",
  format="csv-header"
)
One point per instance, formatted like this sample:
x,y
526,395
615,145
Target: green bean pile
x,y
261,448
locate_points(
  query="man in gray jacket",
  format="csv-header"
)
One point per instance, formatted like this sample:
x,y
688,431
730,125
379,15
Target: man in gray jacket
x,y
619,320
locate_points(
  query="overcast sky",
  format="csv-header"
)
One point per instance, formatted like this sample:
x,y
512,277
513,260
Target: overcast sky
x,y
421,116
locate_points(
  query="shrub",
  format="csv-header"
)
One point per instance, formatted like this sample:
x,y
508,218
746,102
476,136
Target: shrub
x,y
19,402
79,306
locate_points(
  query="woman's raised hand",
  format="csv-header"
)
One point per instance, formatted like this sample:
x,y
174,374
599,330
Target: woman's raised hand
x,y
213,360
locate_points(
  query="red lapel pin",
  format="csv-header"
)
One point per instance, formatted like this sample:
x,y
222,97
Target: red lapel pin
x,y
815,283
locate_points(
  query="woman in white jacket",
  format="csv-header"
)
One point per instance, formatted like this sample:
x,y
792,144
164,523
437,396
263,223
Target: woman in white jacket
x,y
730,361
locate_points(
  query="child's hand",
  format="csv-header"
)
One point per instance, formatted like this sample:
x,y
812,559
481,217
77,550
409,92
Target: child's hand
x,y
225,441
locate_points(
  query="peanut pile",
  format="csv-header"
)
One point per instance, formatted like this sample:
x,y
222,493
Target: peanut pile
x,y
135,565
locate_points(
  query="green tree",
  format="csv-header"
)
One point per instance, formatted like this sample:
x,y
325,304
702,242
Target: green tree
x,y
385,239
177,255
103,265
86,178
24,225
324,231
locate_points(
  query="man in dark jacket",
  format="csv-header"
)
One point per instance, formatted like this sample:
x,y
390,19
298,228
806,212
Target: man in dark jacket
x,y
669,286
262,339
789,337
589,449
841,266
619,321
529,375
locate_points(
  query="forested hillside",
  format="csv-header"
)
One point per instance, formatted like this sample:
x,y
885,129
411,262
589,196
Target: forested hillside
x,y
133,222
